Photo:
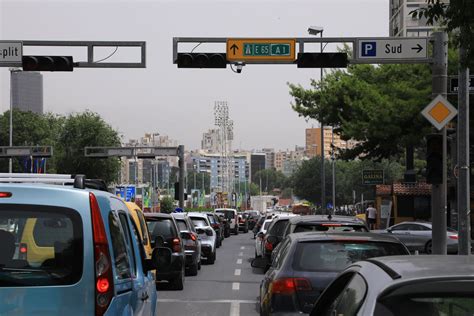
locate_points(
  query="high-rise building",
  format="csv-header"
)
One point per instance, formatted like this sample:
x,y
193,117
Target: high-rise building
x,y
313,142
27,91
280,158
269,158
403,24
257,163
211,141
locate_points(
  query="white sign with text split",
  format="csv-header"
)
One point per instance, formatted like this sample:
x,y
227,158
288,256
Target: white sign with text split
x,y
11,51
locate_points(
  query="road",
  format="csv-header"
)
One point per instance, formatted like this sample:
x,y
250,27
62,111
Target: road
x,y
228,287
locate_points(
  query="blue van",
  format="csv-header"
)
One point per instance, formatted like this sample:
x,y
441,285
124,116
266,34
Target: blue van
x,y
72,251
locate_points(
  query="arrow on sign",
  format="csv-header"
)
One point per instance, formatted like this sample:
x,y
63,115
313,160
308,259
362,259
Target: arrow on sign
x,y
234,48
418,48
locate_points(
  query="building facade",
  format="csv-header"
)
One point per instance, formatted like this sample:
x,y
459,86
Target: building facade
x,y
313,142
211,141
27,91
269,158
257,163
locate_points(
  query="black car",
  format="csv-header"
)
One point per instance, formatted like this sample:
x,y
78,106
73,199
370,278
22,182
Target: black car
x,y
274,235
164,232
191,241
215,222
306,263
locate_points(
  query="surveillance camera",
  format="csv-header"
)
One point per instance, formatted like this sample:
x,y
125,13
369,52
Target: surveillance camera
x,y
239,67
315,30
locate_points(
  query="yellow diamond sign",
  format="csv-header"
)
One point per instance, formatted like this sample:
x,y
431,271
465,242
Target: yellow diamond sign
x,y
439,112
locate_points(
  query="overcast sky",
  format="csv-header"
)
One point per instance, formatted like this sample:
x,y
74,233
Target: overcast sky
x,y
179,102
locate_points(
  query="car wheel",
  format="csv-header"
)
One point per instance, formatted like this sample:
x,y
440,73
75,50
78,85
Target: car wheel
x,y
429,247
212,258
193,270
178,283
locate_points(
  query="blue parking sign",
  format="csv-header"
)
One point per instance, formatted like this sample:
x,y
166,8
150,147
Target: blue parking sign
x,y
369,49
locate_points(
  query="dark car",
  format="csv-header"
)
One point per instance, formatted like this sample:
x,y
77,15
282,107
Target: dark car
x,y
191,241
243,222
215,222
307,262
274,235
253,217
163,230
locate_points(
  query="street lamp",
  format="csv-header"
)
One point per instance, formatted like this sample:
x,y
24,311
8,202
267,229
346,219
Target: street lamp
x,y
315,30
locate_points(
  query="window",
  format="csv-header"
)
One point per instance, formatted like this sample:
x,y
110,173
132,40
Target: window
x,y
181,224
162,227
278,228
199,222
143,227
40,245
282,253
426,305
350,300
401,227
128,239
121,259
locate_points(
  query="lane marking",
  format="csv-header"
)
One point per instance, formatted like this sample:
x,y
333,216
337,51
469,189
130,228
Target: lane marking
x,y
239,261
173,300
236,286
238,272
241,254
234,309
243,247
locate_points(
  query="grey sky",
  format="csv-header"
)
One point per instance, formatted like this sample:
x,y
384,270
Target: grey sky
x,y
179,102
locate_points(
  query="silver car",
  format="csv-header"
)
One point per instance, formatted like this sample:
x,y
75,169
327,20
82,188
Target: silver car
x,y
402,286
418,235
206,234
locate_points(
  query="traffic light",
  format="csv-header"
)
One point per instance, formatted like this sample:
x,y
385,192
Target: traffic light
x,y
47,63
202,60
434,159
322,60
176,192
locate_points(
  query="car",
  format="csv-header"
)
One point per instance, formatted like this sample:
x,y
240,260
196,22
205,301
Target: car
x,y
139,219
191,241
399,286
225,223
274,234
231,216
207,234
260,236
215,222
417,236
253,216
164,230
243,222
81,250
307,262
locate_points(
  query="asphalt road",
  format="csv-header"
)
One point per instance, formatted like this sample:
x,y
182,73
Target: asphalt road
x,y
228,287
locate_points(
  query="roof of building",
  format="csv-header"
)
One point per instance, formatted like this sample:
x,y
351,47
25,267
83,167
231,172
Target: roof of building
x,y
418,188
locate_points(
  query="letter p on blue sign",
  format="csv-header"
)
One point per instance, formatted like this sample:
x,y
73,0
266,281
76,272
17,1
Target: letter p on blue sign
x,y
369,49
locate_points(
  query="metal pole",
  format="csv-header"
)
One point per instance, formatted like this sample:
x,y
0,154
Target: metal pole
x,y
333,175
323,175
10,161
438,191
464,245
181,175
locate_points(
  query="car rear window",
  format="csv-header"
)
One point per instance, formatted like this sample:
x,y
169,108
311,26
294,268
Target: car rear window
x,y
211,219
199,222
161,227
40,245
227,214
336,255
323,227
426,304
278,228
265,225
181,224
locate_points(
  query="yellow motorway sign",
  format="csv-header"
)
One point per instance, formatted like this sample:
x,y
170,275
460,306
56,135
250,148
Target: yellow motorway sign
x,y
261,49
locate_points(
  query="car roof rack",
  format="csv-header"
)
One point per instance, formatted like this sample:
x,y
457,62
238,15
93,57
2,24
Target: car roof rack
x,y
78,181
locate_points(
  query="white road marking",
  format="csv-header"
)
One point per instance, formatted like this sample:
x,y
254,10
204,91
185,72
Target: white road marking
x,y
234,309
241,254
237,272
235,286
239,261
173,300
243,247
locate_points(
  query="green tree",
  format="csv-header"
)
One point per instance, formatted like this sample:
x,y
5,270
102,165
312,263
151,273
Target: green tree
x,y
270,179
81,130
167,205
254,189
200,176
287,193
307,180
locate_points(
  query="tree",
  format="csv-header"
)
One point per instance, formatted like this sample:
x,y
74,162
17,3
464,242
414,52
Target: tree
x,y
270,179
200,176
307,180
81,130
254,189
287,193
167,205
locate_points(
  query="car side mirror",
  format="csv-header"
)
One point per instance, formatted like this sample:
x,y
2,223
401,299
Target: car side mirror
x,y
160,259
260,262
209,232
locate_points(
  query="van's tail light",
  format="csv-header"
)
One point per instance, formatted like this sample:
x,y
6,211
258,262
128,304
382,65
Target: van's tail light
x,y
288,286
104,282
268,245
176,245
23,251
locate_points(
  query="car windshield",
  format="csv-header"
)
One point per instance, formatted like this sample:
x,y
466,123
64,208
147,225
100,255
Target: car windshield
x,y
227,214
426,305
308,227
199,222
336,255
161,227
40,246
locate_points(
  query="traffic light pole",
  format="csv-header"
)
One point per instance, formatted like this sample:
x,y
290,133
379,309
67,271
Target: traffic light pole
x,y
181,175
438,191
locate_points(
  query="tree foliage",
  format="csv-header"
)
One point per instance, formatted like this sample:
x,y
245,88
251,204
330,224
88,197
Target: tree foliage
x,y
270,179
167,205
198,177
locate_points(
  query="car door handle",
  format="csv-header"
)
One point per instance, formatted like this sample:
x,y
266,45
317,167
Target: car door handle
x,y
145,296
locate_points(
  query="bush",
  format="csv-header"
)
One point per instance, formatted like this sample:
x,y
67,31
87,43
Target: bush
x,y
167,205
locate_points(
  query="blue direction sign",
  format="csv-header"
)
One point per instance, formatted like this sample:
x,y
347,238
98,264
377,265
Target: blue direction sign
x,y
380,50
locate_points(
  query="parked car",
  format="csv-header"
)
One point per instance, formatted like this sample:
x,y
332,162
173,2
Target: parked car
x,y
307,262
139,219
243,222
231,216
258,225
253,217
71,250
418,235
164,231
207,234
401,286
191,241
274,235
217,226
260,237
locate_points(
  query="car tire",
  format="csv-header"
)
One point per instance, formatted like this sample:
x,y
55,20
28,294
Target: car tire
x,y
429,247
178,283
212,258
193,270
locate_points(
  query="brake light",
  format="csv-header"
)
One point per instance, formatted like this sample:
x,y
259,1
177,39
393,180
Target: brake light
x,y
176,245
5,194
455,237
193,237
288,286
23,249
331,225
268,246
103,269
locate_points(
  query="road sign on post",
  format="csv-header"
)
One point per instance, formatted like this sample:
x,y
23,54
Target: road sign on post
x,y
11,52
261,49
380,50
454,84
439,112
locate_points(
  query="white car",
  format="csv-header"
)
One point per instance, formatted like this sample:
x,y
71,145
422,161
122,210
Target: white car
x,y
207,235
259,238
231,215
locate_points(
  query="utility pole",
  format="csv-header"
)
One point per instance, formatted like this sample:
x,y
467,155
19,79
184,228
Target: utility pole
x,y
333,174
438,191
181,175
323,173
464,245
